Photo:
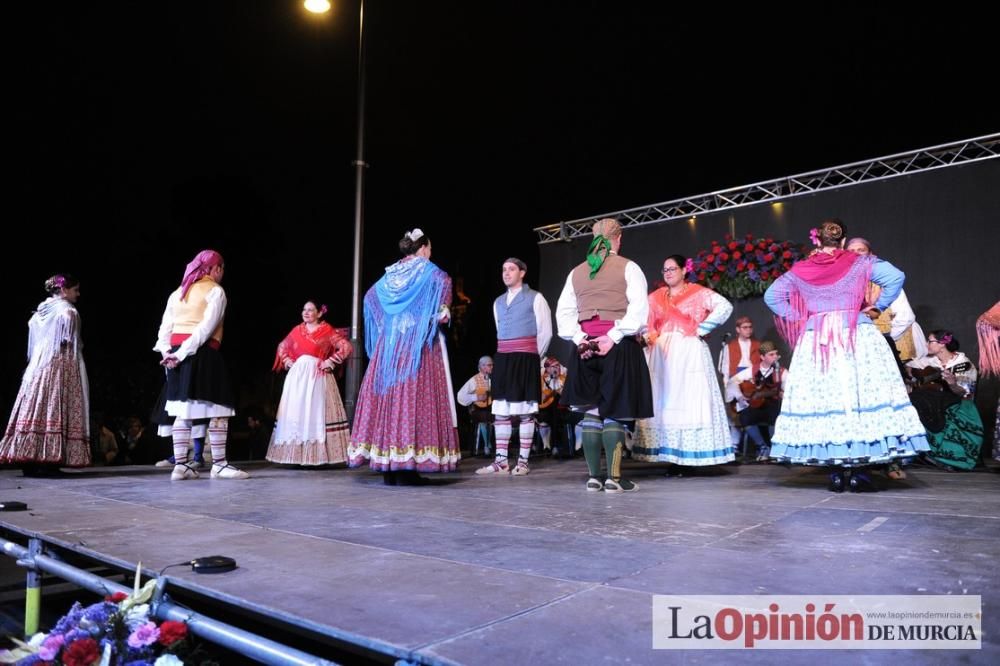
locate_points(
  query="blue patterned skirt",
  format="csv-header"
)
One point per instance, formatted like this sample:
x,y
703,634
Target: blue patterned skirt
x,y
854,412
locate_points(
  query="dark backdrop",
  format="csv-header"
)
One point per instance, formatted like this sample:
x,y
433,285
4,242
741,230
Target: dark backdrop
x,y
941,227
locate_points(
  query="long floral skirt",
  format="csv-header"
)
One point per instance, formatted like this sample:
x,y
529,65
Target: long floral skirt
x,y
854,412
49,422
311,426
690,426
409,427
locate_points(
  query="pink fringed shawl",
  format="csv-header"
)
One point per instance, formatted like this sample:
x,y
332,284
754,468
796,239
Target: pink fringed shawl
x,y
988,330
827,289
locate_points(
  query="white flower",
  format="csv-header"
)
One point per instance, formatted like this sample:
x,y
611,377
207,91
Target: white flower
x,y
136,616
168,660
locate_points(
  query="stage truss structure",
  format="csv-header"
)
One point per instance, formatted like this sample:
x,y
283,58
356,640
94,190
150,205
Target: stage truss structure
x,y
770,191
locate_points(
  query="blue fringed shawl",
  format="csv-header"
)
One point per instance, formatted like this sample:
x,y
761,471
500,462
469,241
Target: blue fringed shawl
x,y
405,313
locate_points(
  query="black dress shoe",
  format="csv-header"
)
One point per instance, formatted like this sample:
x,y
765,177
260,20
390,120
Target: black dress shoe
x,y
836,482
411,478
43,471
861,482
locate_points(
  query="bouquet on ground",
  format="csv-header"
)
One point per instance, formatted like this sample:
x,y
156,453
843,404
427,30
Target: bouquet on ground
x,y
117,631
743,268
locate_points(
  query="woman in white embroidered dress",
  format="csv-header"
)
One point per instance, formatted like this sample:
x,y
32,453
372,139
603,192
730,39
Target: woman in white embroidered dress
x,y
689,426
49,425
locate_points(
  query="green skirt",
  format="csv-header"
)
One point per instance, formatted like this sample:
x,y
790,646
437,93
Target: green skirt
x,y
958,444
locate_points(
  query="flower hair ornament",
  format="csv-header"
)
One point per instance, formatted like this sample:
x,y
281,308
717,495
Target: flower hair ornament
x,y
414,235
944,339
322,309
689,265
60,281
814,236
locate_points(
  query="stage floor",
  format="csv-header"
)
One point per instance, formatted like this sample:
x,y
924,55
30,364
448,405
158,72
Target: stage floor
x,y
526,570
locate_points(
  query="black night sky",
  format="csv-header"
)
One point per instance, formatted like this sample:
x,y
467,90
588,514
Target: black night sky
x,y
143,132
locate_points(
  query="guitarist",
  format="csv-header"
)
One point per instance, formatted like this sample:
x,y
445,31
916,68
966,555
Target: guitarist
x,y
550,413
944,383
477,395
756,392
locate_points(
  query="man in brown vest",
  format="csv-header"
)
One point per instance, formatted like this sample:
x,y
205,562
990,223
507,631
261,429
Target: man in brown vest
x,y
602,307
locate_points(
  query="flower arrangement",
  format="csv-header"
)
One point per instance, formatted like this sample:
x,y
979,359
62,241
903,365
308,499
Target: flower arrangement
x,y
117,631
741,268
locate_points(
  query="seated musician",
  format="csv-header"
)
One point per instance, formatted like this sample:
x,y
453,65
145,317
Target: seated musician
x,y
756,394
550,413
942,384
476,393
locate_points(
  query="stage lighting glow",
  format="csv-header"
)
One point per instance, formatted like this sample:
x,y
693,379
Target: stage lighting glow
x,y
317,6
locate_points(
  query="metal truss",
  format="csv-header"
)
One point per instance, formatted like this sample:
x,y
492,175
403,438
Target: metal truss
x,y
882,168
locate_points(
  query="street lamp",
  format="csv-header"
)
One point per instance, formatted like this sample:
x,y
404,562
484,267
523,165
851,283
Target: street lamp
x,y
353,380
317,6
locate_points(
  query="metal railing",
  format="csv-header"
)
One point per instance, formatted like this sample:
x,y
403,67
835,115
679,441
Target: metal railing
x,y
232,638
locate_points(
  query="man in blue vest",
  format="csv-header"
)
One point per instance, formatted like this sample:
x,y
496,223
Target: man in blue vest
x,y
524,329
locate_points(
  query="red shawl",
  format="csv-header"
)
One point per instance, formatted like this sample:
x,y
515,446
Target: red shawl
x,y
324,343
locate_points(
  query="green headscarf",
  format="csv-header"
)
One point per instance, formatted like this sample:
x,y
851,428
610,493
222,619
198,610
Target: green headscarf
x,y
595,258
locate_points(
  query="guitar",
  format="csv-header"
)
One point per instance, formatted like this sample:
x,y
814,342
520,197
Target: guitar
x,y
759,391
930,379
549,393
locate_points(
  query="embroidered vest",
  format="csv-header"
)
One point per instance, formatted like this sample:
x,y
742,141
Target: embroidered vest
x,y
516,320
483,384
189,313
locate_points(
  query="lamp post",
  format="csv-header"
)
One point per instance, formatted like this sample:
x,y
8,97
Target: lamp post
x,y
353,379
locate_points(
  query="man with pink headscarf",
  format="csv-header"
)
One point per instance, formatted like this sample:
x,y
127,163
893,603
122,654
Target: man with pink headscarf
x,y
198,389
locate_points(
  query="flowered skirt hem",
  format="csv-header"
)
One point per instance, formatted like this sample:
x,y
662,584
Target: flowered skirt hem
x,y
850,454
